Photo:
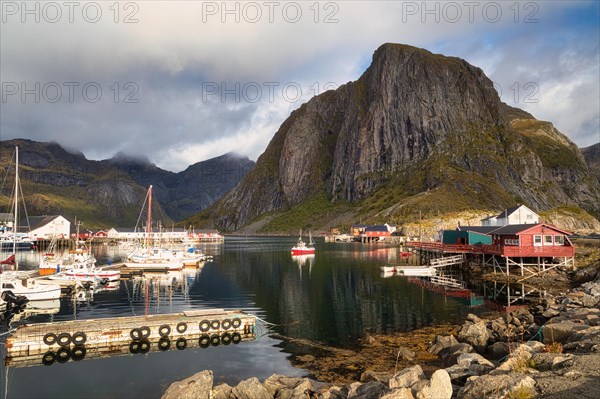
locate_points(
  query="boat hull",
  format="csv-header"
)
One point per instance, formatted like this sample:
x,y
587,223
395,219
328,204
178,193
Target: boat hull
x,y
303,251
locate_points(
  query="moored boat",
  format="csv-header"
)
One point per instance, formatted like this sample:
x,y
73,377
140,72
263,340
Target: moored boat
x,y
302,248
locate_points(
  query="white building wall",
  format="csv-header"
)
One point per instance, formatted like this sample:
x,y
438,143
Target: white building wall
x,y
59,228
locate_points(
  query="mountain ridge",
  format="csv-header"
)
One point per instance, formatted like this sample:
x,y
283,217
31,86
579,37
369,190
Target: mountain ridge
x,y
110,192
416,131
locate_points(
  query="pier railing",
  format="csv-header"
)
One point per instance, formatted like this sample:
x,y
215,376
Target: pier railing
x,y
500,250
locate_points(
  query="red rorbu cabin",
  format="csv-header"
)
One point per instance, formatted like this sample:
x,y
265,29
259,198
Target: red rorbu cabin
x,y
526,240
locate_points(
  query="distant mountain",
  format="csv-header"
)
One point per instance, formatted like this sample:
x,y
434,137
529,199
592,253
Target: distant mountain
x,y
417,132
197,187
111,192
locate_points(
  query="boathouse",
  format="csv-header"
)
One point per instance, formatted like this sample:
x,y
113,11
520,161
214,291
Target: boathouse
x,y
47,227
374,233
527,249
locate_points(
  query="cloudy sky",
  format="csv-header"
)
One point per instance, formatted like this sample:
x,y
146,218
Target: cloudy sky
x,y
185,81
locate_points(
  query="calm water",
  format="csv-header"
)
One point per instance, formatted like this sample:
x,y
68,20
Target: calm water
x,y
334,297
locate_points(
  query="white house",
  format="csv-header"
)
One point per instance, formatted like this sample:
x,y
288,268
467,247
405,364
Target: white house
x,y
516,215
46,227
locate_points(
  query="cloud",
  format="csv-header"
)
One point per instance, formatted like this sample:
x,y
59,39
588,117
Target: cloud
x,y
184,81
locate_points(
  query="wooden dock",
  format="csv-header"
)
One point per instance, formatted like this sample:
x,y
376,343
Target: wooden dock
x,y
45,343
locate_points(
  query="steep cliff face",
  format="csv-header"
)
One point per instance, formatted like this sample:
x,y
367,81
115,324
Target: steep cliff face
x,y
414,123
591,155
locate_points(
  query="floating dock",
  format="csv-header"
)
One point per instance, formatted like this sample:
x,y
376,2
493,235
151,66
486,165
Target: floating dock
x,y
46,343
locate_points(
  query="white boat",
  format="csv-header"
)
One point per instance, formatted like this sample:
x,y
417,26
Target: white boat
x,y
14,284
416,270
28,288
388,269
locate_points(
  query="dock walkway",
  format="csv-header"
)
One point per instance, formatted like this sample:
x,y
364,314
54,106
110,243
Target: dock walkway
x,y
42,343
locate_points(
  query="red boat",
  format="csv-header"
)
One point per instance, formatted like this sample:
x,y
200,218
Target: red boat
x,y
302,248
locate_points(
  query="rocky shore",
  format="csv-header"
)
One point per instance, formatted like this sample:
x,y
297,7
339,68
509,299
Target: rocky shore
x,y
549,350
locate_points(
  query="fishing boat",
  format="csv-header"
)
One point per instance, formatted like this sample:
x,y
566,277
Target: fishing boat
x,y
14,284
302,248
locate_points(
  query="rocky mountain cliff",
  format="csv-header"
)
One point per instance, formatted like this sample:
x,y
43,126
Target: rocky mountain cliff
x,y
417,131
197,187
111,192
592,157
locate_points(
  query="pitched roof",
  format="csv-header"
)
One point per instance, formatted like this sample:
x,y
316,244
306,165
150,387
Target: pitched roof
x,y
520,228
376,227
509,211
478,229
35,222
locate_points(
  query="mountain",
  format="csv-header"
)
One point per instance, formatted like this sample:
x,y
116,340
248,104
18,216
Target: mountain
x,y
591,155
111,192
416,132
197,187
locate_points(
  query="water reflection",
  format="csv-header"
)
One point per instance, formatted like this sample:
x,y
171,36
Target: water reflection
x,y
335,296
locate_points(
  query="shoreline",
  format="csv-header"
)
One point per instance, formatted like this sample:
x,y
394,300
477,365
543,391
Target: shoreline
x,y
549,349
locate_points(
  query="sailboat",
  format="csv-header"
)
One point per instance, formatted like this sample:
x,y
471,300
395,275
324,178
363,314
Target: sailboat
x,y
146,257
14,283
302,248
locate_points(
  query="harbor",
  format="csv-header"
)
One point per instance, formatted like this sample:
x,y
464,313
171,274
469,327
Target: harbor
x,y
255,275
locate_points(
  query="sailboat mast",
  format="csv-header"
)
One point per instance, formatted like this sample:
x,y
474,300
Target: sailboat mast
x,y
149,221
16,209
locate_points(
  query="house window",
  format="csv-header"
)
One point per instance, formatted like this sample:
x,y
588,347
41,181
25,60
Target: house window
x,y
547,240
511,241
529,216
537,241
559,240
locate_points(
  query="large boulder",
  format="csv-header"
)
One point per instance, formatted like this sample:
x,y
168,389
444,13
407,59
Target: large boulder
x,y
560,332
251,389
439,387
369,390
399,393
282,387
222,391
449,355
498,387
440,342
198,386
407,377
475,333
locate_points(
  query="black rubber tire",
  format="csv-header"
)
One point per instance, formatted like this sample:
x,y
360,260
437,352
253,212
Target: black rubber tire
x,y
79,338
145,331
49,339
204,325
181,343
204,341
215,340
144,346
135,334
236,338
63,355
215,324
49,358
164,330
236,323
181,327
164,344
134,347
63,339
226,324
226,339
78,353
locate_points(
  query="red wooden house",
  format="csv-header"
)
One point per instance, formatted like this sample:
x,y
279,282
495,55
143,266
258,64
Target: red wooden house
x,y
526,240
